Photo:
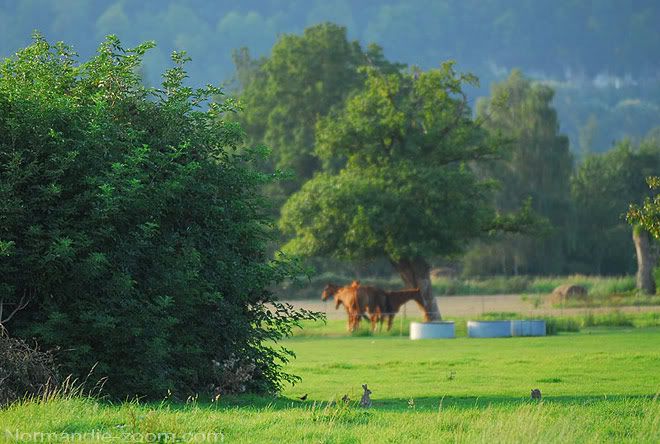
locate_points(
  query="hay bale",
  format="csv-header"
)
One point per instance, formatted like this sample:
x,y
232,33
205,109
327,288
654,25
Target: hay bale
x,y
568,292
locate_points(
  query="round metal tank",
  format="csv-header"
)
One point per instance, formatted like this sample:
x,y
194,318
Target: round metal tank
x,y
489,329
432,330
534,327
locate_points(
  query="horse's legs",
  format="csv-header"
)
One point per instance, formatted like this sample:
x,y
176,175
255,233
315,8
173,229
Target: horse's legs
x,y
354,319
390,320
350,319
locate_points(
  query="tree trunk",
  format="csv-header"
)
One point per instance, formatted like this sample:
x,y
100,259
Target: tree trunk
x,y
416,273
645,281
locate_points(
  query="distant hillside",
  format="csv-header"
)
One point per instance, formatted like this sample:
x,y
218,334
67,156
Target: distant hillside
x,y
601,55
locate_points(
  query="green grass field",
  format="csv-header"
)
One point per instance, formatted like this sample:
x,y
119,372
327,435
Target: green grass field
x,y
600,384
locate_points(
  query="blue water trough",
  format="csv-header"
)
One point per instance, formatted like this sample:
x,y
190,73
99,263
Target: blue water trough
x,y
534,327
489,329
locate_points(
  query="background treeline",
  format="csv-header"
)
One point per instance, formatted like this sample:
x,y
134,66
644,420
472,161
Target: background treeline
x,y
600,56
292,95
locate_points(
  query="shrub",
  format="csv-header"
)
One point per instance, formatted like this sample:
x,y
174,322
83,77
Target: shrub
x,y
134,219
234,375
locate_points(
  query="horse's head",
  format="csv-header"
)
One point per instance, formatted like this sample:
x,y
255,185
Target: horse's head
x,y
329,291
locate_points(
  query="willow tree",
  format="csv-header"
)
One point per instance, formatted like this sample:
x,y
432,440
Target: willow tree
x,y
397,181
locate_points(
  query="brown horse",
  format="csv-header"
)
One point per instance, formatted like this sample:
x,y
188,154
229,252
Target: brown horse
x,y
395,299
378,303
349,298
372,300
381,304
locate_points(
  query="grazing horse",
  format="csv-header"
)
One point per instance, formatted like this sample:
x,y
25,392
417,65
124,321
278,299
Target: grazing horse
x,y
379,304
372,300
395,299
348,297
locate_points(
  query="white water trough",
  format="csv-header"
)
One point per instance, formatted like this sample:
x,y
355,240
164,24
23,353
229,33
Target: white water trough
x,y
489,329
528,328
432,330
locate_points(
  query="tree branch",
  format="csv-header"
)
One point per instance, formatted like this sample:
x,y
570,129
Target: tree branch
x,y
20,306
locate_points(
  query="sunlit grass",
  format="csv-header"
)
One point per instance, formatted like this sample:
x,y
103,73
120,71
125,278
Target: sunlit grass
x,y
634,420
598,385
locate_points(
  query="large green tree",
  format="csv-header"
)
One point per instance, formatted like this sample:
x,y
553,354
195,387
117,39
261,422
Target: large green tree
x,y
646,221
537,165
285,94
132,229
403,188
602,188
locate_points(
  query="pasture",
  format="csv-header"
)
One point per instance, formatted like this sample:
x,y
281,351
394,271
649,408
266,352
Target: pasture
x,y
600,384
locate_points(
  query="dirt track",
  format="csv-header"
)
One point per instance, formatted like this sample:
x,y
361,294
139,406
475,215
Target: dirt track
x,y
468,306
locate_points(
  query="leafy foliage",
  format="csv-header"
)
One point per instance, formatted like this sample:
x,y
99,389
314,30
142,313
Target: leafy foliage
x,y
403,188
537,165
602,188
648,214
398,181
303,79
133,220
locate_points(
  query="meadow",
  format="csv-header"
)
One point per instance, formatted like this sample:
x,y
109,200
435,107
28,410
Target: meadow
x,y
603,290
600,384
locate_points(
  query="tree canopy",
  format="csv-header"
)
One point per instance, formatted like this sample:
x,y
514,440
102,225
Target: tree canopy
x,y
537,164
647,215
602,188
286,93
132,226
398,182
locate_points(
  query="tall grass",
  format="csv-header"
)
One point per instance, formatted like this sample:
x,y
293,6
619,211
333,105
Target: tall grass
x,y
554,324
633,420
558,324
630,298
596,388
597,285
449,286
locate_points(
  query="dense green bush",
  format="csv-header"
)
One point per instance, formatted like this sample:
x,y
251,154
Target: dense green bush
x,y
131,219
